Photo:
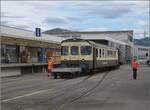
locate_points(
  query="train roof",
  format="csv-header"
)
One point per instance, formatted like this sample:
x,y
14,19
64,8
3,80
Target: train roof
x,y
101,45
90,42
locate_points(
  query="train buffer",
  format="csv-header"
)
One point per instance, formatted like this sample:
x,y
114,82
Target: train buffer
x,y
66,71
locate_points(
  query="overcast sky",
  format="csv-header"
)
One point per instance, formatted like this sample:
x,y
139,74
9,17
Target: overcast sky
x,y
77,16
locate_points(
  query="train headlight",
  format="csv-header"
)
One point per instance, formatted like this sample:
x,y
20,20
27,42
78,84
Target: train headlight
x,y
83,59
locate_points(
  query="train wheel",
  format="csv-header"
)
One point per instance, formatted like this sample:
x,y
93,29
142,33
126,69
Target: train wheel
x,y
71,75
78,74
55,75
61,76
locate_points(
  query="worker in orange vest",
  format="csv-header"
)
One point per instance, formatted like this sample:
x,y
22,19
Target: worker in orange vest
x,y
134,66
50,64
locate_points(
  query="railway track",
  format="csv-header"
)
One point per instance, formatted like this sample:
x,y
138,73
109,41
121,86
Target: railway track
x,y
54,85
18,107
73,87
68,88
83,94
60,92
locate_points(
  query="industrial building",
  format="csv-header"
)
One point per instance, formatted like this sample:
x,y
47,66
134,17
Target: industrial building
x,y
123,40
22,52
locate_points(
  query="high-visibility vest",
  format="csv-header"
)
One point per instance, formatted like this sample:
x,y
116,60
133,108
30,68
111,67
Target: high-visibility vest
x,y
50,64
134,64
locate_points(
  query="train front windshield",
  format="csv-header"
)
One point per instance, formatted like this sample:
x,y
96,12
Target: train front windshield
x,y
64,50
86,50
74,50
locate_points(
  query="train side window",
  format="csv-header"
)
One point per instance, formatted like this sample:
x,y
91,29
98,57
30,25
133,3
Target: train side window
x,y
115,54
106,53
74,50
64,50
103,52
100,53
110,53
96,52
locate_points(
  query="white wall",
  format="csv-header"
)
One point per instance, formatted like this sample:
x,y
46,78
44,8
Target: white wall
x,y
20,33
5,72
141,53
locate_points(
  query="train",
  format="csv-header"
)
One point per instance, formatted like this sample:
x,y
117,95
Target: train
x,y
87,55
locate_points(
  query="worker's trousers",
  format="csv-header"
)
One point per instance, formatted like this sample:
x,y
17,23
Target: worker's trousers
x,y
49,72
134,73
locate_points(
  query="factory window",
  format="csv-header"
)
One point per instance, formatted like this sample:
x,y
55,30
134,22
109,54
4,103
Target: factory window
x,y
33,53
74,50
142,49
64,50
11,54
3,53
25,55
86,50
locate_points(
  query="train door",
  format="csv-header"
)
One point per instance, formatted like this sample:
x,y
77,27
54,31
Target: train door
x,y
94,58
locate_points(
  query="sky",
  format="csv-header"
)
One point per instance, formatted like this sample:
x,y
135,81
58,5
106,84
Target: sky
x,y
78,15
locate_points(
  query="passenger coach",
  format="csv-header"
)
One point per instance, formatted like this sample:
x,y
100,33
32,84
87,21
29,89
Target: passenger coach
x,y
87,55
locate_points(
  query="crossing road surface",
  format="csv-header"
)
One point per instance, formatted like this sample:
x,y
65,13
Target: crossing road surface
x,y
109,90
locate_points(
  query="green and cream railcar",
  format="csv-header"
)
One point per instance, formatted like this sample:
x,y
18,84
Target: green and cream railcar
x,y
87,54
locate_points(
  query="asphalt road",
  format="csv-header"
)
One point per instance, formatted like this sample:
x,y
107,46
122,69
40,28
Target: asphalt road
x,y
109,90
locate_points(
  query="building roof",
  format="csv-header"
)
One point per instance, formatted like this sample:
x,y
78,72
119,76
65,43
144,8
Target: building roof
x,y
56,30
64,31
102,37
25,34
109,39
